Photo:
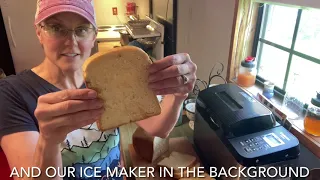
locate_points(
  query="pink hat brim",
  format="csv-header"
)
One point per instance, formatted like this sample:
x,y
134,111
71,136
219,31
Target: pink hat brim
x,y
64,8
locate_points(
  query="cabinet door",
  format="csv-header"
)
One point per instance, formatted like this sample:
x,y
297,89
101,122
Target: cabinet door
x,y
6,62
18,18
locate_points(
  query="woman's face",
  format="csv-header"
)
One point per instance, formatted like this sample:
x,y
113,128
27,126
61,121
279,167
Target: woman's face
x,y
70,51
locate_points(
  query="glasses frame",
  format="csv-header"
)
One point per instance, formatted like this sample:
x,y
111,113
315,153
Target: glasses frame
x,y
43,26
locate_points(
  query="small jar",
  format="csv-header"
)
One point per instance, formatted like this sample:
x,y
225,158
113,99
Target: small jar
x,y
312,118
268,89
247,72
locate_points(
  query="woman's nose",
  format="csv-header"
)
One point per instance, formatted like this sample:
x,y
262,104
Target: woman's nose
x,y
71,39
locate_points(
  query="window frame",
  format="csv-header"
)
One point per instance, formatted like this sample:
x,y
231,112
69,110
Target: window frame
x,y
297,127
257,48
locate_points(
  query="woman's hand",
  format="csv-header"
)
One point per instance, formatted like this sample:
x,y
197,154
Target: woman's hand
x,y
175,74
62,112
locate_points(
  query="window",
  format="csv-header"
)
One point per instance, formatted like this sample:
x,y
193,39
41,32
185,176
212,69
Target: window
x,y
287,49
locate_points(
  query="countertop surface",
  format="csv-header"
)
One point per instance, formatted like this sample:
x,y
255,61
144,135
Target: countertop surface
x,y
109,32
108,36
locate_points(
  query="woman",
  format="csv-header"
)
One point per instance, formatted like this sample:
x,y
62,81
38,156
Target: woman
x,y
47,115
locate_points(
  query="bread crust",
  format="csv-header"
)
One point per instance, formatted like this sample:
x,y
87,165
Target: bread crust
x,y
138,146
140,58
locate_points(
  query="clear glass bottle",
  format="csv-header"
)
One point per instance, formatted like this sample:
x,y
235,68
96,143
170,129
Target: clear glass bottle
x,y
294,101
312,118
247,72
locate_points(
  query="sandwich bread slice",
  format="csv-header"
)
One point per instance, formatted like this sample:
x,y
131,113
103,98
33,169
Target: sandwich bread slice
x,y
120,77
204,176
176,160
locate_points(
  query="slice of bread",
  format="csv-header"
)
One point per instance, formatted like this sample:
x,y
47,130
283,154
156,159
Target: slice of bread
x,y
195,172
120,77
180,174
176,160
204,176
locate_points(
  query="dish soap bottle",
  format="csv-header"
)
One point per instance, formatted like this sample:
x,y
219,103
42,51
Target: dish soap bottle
x,y
247,72
312,119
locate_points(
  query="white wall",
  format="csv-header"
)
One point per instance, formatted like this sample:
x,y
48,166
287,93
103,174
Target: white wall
x,y
204,31
103,9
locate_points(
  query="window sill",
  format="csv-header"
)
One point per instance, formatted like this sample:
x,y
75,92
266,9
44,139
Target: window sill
x,y
297,126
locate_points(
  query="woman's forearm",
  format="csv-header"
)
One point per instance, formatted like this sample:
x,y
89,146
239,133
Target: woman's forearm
x,y
47,155
162,124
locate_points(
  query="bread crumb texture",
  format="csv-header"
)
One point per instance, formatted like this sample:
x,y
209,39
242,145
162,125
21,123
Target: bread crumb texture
x,y
120,76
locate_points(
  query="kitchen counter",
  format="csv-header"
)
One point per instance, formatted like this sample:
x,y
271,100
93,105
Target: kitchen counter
x,y
109,33
108,36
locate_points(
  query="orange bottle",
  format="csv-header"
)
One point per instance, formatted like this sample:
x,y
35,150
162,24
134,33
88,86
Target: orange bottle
x,y
312,119
247,72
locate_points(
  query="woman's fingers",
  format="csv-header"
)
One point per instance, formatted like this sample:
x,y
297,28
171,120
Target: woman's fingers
x,y
168,61
171,67
170,72
79,119
70,94
62,112
171,82
174,74
68,107
181,89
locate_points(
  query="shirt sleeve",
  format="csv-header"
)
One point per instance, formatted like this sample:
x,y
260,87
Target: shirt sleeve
x,y
14,116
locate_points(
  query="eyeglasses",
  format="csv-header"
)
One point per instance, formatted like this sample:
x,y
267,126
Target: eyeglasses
x,y
58,32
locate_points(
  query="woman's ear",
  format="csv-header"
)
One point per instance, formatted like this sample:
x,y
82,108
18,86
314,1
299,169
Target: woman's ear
x,y
38,32
93,41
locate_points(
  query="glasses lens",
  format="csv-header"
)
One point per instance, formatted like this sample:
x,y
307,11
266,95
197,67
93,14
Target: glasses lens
x,y
81,32
56,31
84,33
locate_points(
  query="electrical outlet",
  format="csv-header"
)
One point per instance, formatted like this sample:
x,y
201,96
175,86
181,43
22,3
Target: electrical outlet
x,y
115,11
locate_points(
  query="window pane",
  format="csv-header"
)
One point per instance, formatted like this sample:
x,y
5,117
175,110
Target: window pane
x,y
280,25
308,39
273,64
305,76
